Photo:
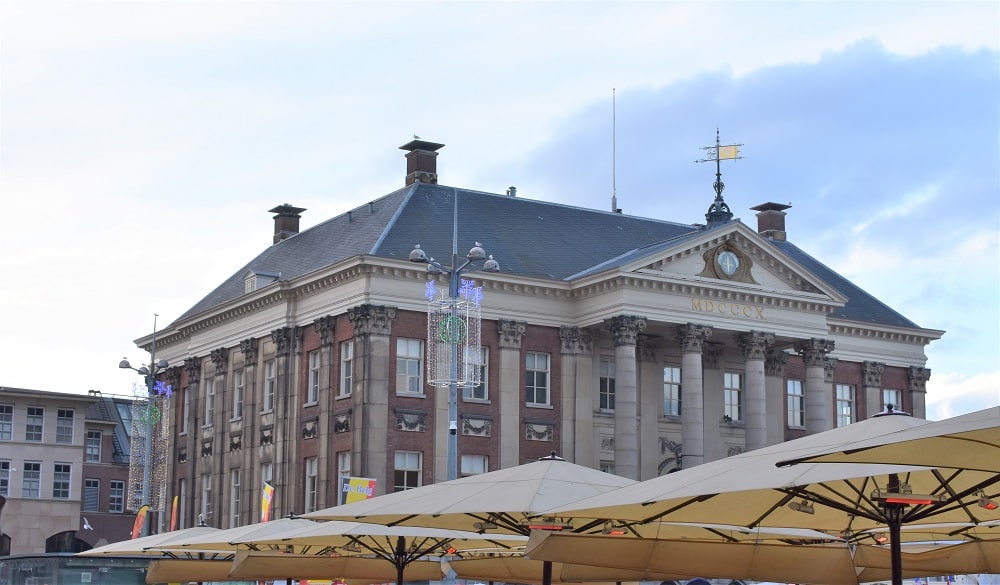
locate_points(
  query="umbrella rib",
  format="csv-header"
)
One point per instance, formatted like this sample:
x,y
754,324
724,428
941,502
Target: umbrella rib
x,y
682,505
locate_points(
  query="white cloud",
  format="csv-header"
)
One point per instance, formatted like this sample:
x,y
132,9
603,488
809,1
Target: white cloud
x,y
951,394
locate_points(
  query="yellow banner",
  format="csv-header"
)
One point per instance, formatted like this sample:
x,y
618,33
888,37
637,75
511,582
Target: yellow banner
x,y
728,152
354,489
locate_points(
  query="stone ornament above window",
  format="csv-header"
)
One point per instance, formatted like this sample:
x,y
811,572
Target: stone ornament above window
x,y
726,262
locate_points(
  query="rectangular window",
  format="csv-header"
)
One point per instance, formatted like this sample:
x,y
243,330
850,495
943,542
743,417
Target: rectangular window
x,y
185,403
238,388
64,426
408,470
479,391
205,515
91,495
6,422
892,397
671,391
182,502
235,478
346,368
270,384
116,497
343,471
33,425
608,467
312,390
409,366
606,392
536,384
31,479
311,483
93,454
474,464
61,476
732,397
796,412
5,477
209,402
845,404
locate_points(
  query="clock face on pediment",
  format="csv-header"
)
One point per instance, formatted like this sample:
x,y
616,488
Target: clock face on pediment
x,y
725,262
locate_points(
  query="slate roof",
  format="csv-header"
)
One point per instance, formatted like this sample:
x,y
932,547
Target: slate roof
x,y
528,237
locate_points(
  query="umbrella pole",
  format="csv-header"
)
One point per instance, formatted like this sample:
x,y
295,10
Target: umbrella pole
x,y
894,518
400,555
546,572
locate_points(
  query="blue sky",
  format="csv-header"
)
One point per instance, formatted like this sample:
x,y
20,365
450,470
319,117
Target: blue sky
x,y
128,129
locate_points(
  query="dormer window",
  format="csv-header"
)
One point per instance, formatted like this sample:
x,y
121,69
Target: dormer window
x,y
256,280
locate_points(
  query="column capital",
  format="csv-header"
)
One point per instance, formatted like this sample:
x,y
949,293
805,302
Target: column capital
x,y
692,337
575,341
873,373
814,350
754,344
829,365
284,339
324,326
625,329
774,363
248,347
918,378
511,332
193,368
372,319
220,357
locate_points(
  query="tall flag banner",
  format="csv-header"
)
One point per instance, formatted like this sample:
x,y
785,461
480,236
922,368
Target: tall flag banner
x,y
173,514
140,519
355,489
267,494
729,152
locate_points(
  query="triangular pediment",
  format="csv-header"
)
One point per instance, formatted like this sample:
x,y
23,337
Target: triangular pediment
x,y
730,256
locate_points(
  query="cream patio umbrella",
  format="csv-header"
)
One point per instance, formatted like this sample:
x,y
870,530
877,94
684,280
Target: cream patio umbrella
x,y
262,565
142,546
837,498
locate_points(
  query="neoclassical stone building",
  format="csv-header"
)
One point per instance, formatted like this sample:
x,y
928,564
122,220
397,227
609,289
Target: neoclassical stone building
x,y
629,344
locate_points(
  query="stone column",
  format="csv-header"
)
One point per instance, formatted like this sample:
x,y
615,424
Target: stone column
x,y
692,338
511,391
327,472
625,331
650,406
370,407
754,346
287,341
873,388
253,484
577,348
776,398
818,405
918,390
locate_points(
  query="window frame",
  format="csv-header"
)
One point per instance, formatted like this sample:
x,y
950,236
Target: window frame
x,y
34,424
31,485
91,495
480,392
672,391
732,396
345,386
239,392
94,446
270,385
607,372
314,361
408,473
409,352
5,468
537,380
62,478
472,464
65,423
844,406
209,410
795,403
896,406
235,482
6,422
116,496
310,484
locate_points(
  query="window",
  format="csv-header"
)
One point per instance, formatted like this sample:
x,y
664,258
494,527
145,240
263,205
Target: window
x,y
796,403
64,426
608,467
270,384
238,387
892,397
6,422
235,477
845,404
60,480
474,464
182,498
33,425
206,499
732,397
346,368
209,401
185,403
671,391
343,471
408,470
536,383
312,391
31,479
93,454
409,366
311,483
479,391
116,497
606,392
5,477
91,495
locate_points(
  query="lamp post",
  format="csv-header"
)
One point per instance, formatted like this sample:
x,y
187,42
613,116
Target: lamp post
x,y
149,421
451,332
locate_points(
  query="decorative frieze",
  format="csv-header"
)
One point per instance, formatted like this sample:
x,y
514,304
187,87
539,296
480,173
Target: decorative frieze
x,y
692,337
310,428
625,329
755,344
575,341
235,442
372,319
477,426
267,435
539,431
511,332
342,422
248,347
873,373
206,448
411,420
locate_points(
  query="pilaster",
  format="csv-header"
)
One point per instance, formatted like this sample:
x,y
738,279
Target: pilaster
x,y
511,391
577,348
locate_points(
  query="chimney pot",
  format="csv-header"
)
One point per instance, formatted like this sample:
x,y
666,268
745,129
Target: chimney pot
x,y
771,220
512,191
286,221
421,161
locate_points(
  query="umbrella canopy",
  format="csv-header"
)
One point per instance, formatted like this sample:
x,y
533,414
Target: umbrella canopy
x,y
969,441
147,545
187,570
838,498
262,565
225,539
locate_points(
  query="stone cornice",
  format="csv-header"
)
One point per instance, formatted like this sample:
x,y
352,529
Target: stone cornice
x,y
845,328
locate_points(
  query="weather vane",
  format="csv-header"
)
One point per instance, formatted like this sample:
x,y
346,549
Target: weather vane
x,y
719,211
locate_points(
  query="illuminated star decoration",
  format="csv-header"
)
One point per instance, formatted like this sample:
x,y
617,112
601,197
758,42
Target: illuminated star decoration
x,y
431,290
162,388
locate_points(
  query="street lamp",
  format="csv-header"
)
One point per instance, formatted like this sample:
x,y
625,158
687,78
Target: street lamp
x,y
149,417
453,328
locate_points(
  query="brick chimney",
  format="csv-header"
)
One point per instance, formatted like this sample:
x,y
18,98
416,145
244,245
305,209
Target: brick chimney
x,y
771,220
421,161
286,222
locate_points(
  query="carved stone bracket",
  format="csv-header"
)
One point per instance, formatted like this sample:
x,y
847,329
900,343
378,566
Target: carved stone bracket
x,y
774,363
608,443
755,344
692,337
511,332
477,426
283,339
372,319
193,367
539,431
235,442
324,326
918,378
220,357
829,365
814,350
267,436
625,329
182,455
342,422
873,373
248,347
575,341
310,428
206,448
411,420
